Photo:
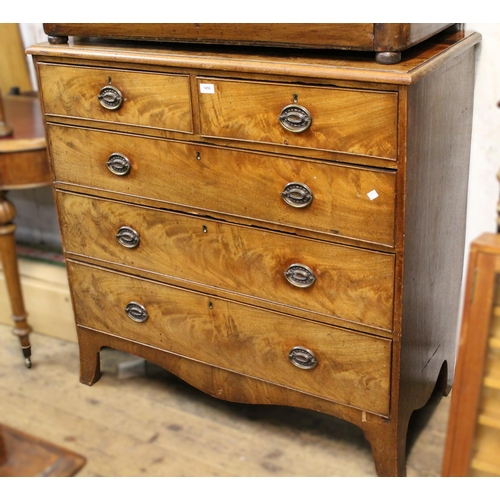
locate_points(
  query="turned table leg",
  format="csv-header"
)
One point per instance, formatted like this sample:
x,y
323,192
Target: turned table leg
x,y
11,272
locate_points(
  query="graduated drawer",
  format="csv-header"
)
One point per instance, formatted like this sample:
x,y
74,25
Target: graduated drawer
x,y
360,122
351,368
355,203
154,100
351,285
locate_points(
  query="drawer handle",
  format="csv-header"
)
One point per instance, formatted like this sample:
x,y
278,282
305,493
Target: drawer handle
x,y
300,276
136,312
295,118
110,97
297,195
118,164
128,237
302,358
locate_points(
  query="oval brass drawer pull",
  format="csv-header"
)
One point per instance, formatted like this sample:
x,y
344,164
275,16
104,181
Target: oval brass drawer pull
x,y
110,97
136,312
128,237
118,164
300,276
295,118
302,358
297,195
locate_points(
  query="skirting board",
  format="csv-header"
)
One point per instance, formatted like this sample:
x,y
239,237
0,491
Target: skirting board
x,y
46,299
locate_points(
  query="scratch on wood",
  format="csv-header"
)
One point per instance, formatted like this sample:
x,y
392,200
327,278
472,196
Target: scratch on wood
x,y
153,438
433,354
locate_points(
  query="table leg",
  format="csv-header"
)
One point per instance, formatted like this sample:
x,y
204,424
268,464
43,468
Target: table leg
x,y
11,272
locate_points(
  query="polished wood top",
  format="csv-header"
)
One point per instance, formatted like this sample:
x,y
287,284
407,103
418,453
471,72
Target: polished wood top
x,y
341,65
23,114
23,154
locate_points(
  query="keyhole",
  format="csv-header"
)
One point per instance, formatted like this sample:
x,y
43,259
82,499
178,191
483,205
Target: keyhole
x,y
295,98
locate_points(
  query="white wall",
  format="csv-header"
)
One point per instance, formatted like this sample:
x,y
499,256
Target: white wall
x,y
484,188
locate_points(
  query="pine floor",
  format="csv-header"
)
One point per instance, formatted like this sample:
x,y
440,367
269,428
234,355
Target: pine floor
x,y
139,421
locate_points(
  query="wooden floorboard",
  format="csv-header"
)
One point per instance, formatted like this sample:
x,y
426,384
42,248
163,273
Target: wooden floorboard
x,y
154,425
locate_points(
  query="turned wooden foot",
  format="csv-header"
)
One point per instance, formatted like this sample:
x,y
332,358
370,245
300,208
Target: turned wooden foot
x,y
57,40
388,57
11,272
90,358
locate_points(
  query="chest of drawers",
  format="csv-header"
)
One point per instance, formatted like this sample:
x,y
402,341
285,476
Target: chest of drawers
x,y
274,228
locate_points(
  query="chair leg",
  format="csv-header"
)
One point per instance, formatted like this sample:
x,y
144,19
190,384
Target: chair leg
x,y
9,262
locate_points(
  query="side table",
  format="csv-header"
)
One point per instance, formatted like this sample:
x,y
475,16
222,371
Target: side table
x,y
23,164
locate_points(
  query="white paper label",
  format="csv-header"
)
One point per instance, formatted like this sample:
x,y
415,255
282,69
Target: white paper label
x,y
372,195
207,88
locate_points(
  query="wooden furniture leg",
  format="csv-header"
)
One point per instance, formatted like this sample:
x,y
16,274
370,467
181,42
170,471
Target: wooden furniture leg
x,y
11,272
90,358
388,443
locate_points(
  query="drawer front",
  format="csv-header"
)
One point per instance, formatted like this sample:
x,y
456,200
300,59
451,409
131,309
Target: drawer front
x,y
341,120
350,284
354,203
351,368
147,99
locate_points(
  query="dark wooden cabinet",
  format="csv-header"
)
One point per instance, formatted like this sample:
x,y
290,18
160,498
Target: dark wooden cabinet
x,y
387,40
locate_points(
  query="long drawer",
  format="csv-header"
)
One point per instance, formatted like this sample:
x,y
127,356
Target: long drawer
x,y
325,198
155,100
335,281
334,364
360,122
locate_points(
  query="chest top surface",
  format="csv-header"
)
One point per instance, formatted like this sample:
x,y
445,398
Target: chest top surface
x,y
415,64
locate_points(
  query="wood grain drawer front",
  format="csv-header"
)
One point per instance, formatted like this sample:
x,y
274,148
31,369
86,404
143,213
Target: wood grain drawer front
x,y
153,100
347,121
354,203
351,284
351,368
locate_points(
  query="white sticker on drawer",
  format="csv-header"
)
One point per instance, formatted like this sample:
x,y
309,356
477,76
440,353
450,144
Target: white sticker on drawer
x,y
372,195
207,88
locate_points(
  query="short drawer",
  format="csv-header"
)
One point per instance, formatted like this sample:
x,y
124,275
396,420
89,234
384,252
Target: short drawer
x,y
154,100
359,122
353,203
338,282
335,364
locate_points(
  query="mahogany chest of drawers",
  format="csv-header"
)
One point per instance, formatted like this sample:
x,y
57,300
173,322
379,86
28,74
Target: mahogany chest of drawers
x,y
272,227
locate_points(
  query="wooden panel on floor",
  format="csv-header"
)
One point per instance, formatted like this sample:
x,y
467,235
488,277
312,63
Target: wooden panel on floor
x,y
46,298
156,425
30,456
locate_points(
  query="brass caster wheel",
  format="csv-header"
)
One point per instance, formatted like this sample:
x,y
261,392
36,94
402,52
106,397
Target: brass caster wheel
x,y
27,355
